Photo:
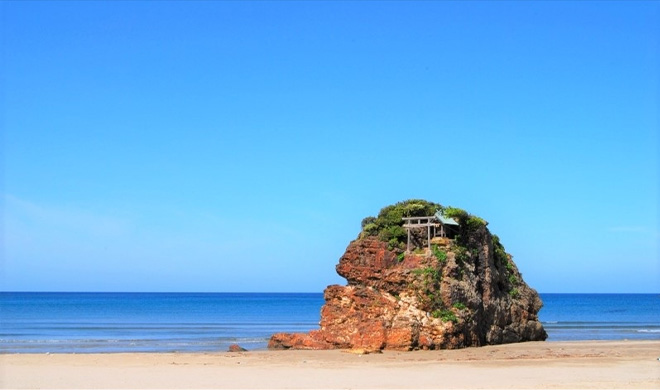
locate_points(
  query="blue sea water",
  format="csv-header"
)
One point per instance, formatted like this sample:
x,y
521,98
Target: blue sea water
x,y
149,322
207,322
569,317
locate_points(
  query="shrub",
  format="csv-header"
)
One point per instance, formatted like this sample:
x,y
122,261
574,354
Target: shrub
x,y
395,243
468,224
393,234
428,290
387,226
459,306
368,221
462,255
370,229
427,271
473,223
501,257
445,315
439,254
459,215
514,293
513,279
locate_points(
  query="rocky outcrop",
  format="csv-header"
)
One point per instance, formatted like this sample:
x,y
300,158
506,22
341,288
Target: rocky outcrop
x,y
236,348
466,293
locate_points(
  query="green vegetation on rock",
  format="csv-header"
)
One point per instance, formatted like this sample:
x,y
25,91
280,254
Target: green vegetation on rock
x,y
439,253
464,219
387,226
501,258
513,279
466,245
428,289
444,314
431,272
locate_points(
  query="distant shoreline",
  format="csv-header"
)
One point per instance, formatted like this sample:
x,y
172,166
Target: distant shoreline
x,y
593,364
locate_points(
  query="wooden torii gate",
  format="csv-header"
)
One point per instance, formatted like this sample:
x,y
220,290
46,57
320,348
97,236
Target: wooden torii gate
x,y
420,222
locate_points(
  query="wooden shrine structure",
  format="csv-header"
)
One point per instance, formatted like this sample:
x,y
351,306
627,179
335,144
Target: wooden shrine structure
x,y
436,225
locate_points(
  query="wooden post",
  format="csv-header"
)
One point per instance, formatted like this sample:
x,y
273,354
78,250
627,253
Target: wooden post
x,y
408,246
421,222
428,236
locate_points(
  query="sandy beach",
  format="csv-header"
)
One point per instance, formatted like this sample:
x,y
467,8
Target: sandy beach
x,y
606,364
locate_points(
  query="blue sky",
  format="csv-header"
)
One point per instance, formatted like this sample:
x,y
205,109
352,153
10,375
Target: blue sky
x,y
236,146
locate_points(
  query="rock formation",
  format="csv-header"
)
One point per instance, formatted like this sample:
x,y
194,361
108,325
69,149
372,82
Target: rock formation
x,y
236,348
462,292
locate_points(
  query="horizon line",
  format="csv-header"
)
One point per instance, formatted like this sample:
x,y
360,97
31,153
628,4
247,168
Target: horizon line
x,y
264,292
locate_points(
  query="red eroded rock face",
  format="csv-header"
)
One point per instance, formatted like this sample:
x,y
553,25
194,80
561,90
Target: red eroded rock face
x,y
422,302
365,262
368,262
356,317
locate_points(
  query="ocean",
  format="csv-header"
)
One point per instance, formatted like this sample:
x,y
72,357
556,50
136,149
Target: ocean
x,y
210,322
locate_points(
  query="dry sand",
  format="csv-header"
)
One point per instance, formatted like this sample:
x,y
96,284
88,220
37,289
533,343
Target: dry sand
x,y
618,364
